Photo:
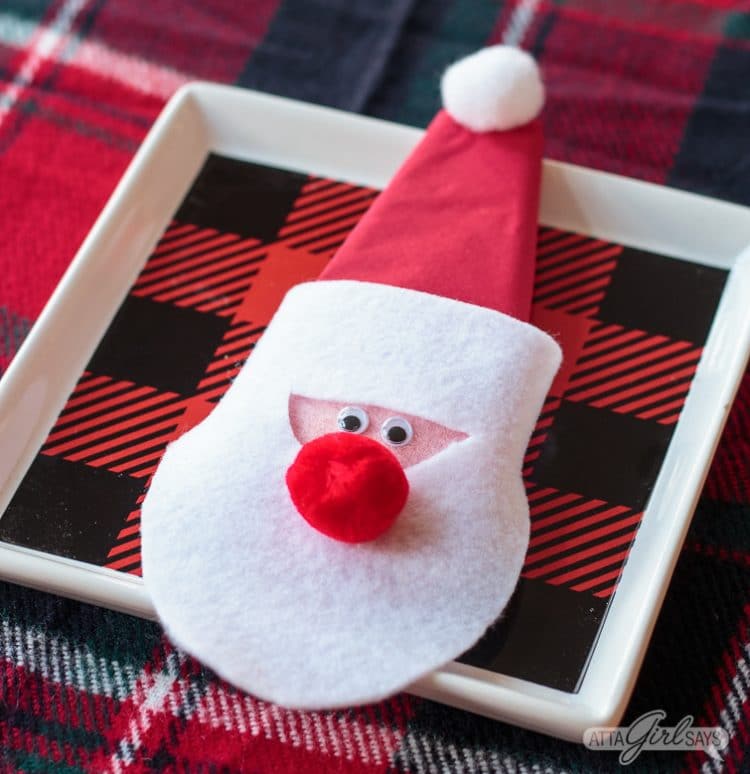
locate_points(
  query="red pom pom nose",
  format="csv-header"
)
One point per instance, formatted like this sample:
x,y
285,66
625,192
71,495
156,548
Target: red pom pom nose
x,y
347,486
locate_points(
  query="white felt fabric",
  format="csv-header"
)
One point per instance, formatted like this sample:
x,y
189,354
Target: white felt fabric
x,y
241,581
497,88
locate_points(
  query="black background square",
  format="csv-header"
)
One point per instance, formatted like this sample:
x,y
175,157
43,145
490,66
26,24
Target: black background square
x,y
240,197
603,455
160,345
69,509
652,293
545,635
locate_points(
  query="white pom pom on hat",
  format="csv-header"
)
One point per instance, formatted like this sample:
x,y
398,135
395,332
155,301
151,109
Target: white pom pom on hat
x,y
495,89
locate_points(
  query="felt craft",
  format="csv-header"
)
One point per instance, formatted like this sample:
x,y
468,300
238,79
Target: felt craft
x,y
352,514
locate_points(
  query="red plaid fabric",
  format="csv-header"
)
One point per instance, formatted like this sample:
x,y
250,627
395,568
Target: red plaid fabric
x,y
656,89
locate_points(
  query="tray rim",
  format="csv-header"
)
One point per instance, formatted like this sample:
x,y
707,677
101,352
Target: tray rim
x,y
202,117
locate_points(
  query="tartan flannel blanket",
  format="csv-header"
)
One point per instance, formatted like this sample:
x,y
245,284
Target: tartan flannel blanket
x,y
655,89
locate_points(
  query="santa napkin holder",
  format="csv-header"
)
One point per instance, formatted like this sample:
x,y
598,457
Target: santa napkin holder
x,y
662,233
363,474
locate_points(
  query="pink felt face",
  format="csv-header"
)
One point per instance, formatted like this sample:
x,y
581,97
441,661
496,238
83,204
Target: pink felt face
x,y
311,418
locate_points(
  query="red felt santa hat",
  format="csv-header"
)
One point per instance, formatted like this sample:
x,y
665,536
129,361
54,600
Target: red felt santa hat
x,y
459,219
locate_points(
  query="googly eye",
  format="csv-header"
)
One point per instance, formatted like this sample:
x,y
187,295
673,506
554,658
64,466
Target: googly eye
x,y
353,419
397,431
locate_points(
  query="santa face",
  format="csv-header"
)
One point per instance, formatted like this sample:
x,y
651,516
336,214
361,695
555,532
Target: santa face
x,y
412,439
240,577
350,484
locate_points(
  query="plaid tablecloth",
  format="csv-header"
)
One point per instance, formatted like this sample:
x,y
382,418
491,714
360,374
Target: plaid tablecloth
x,y
655,89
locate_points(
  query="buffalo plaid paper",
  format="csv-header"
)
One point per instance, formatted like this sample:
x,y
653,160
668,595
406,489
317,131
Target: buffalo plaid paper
x,y
656,90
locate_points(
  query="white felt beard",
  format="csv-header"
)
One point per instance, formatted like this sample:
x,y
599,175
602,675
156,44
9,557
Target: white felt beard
x,y
240,579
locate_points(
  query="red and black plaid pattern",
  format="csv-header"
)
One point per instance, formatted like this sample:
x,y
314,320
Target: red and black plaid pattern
x,y
124,426
214,284
580,539
656,90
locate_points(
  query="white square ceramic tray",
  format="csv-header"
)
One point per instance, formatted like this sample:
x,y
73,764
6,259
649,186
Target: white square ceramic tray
x,y
286,134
